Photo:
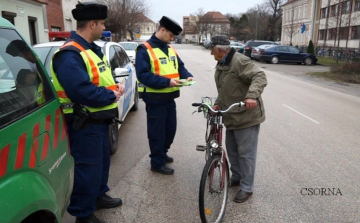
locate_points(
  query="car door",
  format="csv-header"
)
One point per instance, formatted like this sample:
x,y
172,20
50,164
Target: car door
x,y
283,53
295,55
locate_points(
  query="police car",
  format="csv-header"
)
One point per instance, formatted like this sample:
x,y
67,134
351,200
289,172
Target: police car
x,y
117,59
36,168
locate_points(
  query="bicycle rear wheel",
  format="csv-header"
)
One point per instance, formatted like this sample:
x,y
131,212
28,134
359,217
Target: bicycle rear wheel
x,y
213,193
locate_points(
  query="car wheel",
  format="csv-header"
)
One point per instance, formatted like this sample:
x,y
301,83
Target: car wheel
x,y
274,60
135,107
113,137
308,61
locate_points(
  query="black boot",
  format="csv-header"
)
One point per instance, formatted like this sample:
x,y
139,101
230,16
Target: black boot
x,y
105,201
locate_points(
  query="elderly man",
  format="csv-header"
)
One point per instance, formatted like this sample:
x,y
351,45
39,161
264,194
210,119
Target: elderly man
x,y
238,79
159,70
88,93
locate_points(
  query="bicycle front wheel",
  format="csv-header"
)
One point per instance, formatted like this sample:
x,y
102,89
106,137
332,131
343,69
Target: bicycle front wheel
x,y
213,193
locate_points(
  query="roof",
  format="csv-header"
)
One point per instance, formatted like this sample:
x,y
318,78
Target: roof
x,y
288,2
214,17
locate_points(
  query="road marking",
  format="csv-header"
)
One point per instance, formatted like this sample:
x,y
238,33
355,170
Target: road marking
x,y
302,114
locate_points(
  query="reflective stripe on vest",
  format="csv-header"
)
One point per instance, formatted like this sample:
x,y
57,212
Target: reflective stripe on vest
x,y
166,67
100,78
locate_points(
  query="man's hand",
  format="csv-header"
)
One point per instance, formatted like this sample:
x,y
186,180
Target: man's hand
x,y
215,107
174,83
120,89
190,79
250,103
117,95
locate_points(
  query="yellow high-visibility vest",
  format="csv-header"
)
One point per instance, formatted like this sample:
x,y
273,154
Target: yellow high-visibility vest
x,y
167,68
99,78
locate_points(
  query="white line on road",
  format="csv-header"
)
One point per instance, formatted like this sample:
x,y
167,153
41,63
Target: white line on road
x,y
302,114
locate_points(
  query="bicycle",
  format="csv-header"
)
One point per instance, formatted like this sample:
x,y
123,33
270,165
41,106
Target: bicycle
x,y
213,191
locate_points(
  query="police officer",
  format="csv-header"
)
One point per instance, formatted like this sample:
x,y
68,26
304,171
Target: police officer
x,y
88,93
158,69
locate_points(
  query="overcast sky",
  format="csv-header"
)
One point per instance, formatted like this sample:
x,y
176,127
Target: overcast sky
x,y
176,9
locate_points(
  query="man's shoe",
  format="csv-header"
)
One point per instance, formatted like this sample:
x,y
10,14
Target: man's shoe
x,y
163,170
89,219
234,183
242,196
105,201
169,159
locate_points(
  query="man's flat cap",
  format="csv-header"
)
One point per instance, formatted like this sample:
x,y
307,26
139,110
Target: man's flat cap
x,y
89,11
16,46
170,25
219,40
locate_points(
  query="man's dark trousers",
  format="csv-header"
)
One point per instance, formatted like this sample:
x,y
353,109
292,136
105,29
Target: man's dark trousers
x,y
161,128
91,151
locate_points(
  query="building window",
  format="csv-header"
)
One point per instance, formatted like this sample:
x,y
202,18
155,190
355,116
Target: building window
x,y
299,16
305,11
334,10
10,16
355,32
345,7
324,13
55,29
332,34
295,14
357,5
344,31
321,34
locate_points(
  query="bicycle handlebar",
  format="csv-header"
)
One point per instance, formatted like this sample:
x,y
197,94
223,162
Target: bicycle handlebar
x,y
240,104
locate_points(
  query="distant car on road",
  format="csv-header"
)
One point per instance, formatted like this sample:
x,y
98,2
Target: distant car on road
x,y
239,47
289,54
255,53
130,48
254,43
119,63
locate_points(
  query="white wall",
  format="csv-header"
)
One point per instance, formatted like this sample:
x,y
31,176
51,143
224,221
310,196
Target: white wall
x,y
69,21
23,9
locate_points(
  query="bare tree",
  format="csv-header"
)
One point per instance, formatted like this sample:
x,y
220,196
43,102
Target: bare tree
x,y
273,9
199,26
123,16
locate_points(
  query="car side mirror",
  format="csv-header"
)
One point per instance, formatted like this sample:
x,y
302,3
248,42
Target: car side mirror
x,y
121,72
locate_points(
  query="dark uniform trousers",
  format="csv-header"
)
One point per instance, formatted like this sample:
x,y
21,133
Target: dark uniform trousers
x,y
91,151
161,128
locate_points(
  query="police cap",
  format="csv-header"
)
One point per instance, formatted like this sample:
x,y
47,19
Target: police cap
x,y
170,25
219,40
89,11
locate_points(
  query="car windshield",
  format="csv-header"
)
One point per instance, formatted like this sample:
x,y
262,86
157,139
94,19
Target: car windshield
x,y
129,46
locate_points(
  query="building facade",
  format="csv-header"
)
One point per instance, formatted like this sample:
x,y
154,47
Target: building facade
x,y
298,22
197,30
29,17
339,23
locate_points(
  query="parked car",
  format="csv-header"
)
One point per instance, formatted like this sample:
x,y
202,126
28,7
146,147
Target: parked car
x,y
255,52
254,43
119,63
290,54
130,48
239,47
207,43
36,168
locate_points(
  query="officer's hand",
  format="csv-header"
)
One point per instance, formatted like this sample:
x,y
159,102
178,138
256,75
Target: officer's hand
x,y
190,79
117,95
120,89
174,83
250,103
